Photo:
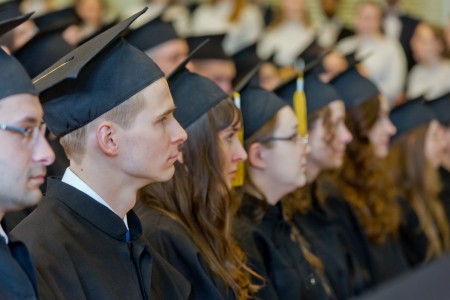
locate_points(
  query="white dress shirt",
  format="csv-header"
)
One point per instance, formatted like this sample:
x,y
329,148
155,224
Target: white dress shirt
x,y
429,81
384,62
328,32
73,180
285,42
3,234
214,19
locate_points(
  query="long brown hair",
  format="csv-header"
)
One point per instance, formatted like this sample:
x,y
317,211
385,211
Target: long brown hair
x,y
419,182
260,136
198,198
363,180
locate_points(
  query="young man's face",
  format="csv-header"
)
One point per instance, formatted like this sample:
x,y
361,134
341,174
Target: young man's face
x,y
23,160
152,143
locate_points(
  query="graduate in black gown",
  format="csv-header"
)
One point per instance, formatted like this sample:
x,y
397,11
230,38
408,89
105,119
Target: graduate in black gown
x,y
188,219
363,181
328,137
415,157
441,108
111,106
24,156
277,148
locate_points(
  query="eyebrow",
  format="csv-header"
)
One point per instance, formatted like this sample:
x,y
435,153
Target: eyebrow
x,y
167,111
28,119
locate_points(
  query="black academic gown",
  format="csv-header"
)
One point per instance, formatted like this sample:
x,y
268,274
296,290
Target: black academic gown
x,y
80,248
173,243
389,259
360,260
319,229
380,261
274,254
413,240
17,275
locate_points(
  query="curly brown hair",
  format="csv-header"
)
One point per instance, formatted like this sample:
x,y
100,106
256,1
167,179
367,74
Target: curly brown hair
x,y
198,197
363,180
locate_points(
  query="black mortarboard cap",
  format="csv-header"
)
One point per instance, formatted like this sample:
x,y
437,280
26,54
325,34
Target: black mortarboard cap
x,y
13,77
93,79
257,105
441,108
245,60
212,50
57,20
194,95
151,34
411,115
10,23
10,9
44,49
354,88
318,94
312,53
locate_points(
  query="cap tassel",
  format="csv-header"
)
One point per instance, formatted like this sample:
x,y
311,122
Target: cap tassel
x,y
300,107
238,179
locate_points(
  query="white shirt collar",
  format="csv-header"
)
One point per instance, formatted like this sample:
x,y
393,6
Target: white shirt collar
x,y
72,179
3,234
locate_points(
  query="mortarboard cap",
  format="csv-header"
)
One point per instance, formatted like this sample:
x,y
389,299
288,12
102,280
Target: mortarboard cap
x,y
411,115
13,77
57,20
41,51
93,79
212,50
194,95
151,34
318,94
245,60
258,106
441,108
8,24
10,9
354,88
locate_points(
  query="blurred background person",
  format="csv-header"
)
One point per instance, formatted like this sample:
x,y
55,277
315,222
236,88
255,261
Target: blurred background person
x,y
331,30
385,63
240,21
430,76
400,26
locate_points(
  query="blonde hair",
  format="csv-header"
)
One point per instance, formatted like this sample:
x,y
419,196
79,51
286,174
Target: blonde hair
x,y
123,115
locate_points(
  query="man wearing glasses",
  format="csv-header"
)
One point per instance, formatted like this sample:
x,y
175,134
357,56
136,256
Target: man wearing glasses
x,y
24,156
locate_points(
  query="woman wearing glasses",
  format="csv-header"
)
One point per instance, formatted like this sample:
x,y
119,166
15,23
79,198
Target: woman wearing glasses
x,y
328,137
275,167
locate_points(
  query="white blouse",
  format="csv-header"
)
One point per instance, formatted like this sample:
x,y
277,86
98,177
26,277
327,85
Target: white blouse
x,y
429,81
384,61
285,42
214,19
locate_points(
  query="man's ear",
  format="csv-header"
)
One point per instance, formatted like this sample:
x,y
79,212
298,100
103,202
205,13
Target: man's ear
x,y
256,156
107,140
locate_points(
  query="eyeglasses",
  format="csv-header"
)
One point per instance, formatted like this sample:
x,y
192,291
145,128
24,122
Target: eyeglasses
x,y
30,134
295,138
